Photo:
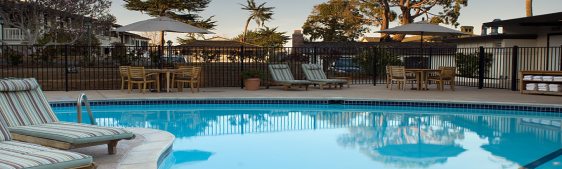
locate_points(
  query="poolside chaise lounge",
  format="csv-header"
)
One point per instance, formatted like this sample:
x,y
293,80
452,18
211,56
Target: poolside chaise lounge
x,y
314,73
282,75
20,155
29,118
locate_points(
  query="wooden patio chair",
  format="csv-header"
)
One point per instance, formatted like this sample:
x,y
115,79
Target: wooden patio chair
x,y
124,73
444,75
189,75
137,75
398,75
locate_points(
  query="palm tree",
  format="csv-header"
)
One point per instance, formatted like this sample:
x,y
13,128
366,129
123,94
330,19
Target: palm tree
x,y
258,13
529,7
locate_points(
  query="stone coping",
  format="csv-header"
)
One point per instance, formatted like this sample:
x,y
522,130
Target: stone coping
x,y
148,153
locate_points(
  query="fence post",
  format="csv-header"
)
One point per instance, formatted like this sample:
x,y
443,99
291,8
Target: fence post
x,y
374,62
66,68
429,59
481,68
514,63
241,66
160,55
560,51
315,60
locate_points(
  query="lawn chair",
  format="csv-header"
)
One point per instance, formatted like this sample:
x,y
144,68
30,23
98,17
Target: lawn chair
x,y
282,75
445,74
137,75
314,73
16,155
124,73
398,75
188,75
29,118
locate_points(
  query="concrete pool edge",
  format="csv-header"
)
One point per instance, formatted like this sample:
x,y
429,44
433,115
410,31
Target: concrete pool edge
x,y
337,100
148,154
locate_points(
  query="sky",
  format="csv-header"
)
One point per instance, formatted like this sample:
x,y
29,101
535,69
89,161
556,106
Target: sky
x,y
289,15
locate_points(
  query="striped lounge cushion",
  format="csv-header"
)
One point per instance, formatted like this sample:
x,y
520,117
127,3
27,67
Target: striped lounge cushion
x,y
313,72
73,133
281,72
14,85
19,155
4,133
24,107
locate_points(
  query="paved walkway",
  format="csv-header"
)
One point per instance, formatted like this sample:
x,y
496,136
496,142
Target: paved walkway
x,y
465,94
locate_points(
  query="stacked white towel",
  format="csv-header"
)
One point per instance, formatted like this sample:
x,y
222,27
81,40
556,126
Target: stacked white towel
x,y
557,78
531,86
548,78
537,78
542,87
528,77
554,88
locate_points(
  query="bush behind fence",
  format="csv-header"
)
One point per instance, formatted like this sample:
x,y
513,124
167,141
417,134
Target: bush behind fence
x,y
66,68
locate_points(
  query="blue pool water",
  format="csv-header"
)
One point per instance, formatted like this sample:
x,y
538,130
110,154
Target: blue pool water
x,y
220,136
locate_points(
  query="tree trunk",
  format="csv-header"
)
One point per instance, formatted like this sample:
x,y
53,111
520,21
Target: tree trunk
x,y
385,21
243,39
529,7
405,18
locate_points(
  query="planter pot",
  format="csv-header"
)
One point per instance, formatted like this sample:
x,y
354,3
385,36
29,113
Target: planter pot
x,y
252,84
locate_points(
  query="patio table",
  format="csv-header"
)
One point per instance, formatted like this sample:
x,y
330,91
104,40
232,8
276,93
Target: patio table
x,y
421,76
167,72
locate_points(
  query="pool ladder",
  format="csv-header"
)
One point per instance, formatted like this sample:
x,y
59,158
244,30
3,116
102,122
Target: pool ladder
x,y
84,99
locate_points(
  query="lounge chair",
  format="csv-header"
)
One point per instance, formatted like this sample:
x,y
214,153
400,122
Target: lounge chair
x,y
20,155
282,75
314,73
29,118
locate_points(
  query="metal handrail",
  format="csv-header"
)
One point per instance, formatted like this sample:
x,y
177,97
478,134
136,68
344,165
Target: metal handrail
x,y
84,99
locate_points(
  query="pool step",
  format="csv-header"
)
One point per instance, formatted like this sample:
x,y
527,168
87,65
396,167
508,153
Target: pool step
x,y
543,160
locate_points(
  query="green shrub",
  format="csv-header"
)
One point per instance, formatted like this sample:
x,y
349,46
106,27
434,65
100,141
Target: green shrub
x,y
467,64
383,59
14,58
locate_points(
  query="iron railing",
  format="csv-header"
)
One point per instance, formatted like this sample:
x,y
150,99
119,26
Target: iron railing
x,y
70,68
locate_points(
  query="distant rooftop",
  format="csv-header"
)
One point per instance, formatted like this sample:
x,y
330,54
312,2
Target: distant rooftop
x,y
552,19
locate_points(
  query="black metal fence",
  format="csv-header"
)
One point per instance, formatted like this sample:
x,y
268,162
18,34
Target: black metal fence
x,y
67,68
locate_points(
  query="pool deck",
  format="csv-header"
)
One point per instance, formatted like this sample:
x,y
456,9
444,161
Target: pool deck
x,y
144,151
462,94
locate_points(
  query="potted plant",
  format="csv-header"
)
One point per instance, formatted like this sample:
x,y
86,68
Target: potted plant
x,y
251,79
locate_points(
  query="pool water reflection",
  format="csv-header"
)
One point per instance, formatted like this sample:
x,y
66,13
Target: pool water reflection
x,y
338,136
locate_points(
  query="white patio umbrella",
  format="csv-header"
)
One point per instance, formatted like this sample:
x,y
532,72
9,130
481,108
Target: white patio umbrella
x,y
422,28
162,24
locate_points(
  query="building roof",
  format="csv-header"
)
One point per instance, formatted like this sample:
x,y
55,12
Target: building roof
x,y
493,37
552,19
218,43
370,39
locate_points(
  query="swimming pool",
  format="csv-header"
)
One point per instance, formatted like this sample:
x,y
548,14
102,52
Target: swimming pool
x,y
341,136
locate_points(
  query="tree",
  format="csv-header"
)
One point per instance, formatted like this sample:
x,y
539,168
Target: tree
x,y
68,18
182,10
335,20
266,37
378,13
259,13
529,7
449,15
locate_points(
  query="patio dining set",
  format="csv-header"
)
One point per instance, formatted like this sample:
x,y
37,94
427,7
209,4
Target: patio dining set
x,y
422,77
142,77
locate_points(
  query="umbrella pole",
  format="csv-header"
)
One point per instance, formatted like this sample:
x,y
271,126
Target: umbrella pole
x,y
162,38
